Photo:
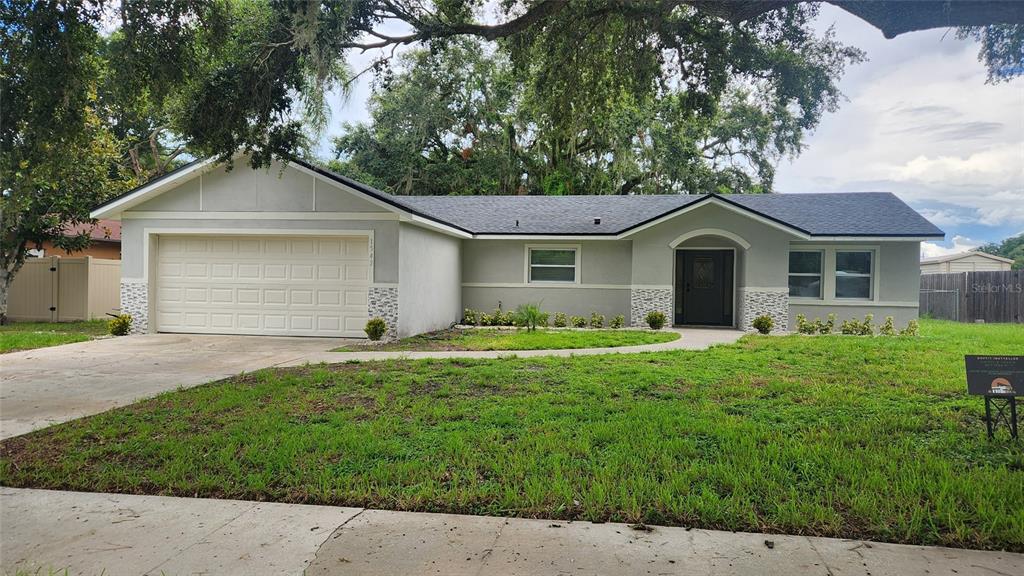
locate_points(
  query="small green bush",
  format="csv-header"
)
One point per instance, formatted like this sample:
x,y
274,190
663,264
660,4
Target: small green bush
x,y
850,327
561,320
887,329
470,317
596,320
911,329
529,316
618,322
120,325
764,323
578,321
828,326
655,319
375,328
866,327
805,327
542,319
485,319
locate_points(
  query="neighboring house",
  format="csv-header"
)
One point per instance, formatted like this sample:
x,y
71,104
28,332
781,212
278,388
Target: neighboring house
x,y
106,241
965,262
303,251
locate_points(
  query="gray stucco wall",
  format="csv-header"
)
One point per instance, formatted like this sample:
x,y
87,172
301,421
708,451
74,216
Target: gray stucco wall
x,y
760,267
572,301
242,189
495,271
895,294
430,295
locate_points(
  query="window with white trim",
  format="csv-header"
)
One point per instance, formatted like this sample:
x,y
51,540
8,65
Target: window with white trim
x,y
854,274
552,265
805,273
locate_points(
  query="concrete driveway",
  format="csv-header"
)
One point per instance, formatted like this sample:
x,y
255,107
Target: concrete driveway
x,y
49,385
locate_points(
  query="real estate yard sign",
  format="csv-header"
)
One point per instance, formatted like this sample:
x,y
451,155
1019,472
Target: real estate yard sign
x,y
1000,379
995,375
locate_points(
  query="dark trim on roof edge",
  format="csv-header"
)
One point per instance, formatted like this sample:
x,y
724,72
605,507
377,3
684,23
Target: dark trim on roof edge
x,y
166,176
389,199
373,192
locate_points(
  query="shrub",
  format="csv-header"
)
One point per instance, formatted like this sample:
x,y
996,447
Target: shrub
x,y
578,321
828,326
596,320
485,320
500,318
561,320
805,327
764,323
618,322
542,319
120,325
470,317
850,327
375,328
529,316
866,327
911,329
655,319
887,329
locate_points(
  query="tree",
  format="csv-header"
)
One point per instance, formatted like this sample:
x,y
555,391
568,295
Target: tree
x,y
1012,247
468,120
57,159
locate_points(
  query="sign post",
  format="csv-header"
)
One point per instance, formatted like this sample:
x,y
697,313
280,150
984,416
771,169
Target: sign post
x,y
1000,379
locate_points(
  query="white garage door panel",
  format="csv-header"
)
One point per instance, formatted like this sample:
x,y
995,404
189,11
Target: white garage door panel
x,y
305,286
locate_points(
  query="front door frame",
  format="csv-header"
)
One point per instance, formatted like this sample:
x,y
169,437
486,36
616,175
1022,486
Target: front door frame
x,y
675,286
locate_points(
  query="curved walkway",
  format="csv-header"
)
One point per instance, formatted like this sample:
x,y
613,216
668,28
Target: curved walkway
x,y
689,339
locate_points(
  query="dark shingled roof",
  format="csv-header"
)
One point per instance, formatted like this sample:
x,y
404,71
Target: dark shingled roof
x,y
833,214
836,214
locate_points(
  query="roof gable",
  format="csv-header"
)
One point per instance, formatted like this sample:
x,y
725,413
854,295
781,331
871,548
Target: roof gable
x,y
833,215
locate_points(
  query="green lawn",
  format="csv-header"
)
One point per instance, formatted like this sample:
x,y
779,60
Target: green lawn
x,y
491,339
28,335
842,436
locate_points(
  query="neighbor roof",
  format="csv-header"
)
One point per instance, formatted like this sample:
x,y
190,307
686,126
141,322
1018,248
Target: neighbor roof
x,y
853,214
961,255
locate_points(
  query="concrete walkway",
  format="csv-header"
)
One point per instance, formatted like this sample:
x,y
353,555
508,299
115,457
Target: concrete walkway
x,y
123,534
42,387
689,339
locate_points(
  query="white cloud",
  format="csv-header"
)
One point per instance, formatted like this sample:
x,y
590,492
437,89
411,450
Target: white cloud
x,y
922,123
960,244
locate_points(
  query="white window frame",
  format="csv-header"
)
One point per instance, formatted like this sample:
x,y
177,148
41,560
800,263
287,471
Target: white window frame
x,y
576,264
821,273
871,276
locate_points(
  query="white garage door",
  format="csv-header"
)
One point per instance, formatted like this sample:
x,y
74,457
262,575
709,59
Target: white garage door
x,y
301,286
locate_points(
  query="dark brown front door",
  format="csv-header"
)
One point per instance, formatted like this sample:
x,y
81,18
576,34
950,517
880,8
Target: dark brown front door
x,y
704,287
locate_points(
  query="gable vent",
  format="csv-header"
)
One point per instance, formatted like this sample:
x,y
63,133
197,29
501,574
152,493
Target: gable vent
x,y
597,220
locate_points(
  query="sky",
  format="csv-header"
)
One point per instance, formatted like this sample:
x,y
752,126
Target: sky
x,y
919,121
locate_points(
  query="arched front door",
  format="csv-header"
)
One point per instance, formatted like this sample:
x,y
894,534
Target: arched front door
x,y
704,287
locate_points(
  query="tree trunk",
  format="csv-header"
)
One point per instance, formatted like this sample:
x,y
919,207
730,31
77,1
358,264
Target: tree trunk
x,y
6,279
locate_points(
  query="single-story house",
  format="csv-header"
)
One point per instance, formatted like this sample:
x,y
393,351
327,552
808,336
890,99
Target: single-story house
x,y
299,250
971,261
105,241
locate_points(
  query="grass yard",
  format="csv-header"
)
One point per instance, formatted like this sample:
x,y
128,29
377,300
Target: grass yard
x,y
851,437
28,335
491,339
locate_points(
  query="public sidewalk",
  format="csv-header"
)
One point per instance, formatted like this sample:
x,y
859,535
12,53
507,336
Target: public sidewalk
x,y
117,534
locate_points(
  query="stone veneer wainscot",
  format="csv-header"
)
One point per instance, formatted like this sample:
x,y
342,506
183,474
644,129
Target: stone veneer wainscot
x,y
383,303
644,300
135,302
773,303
